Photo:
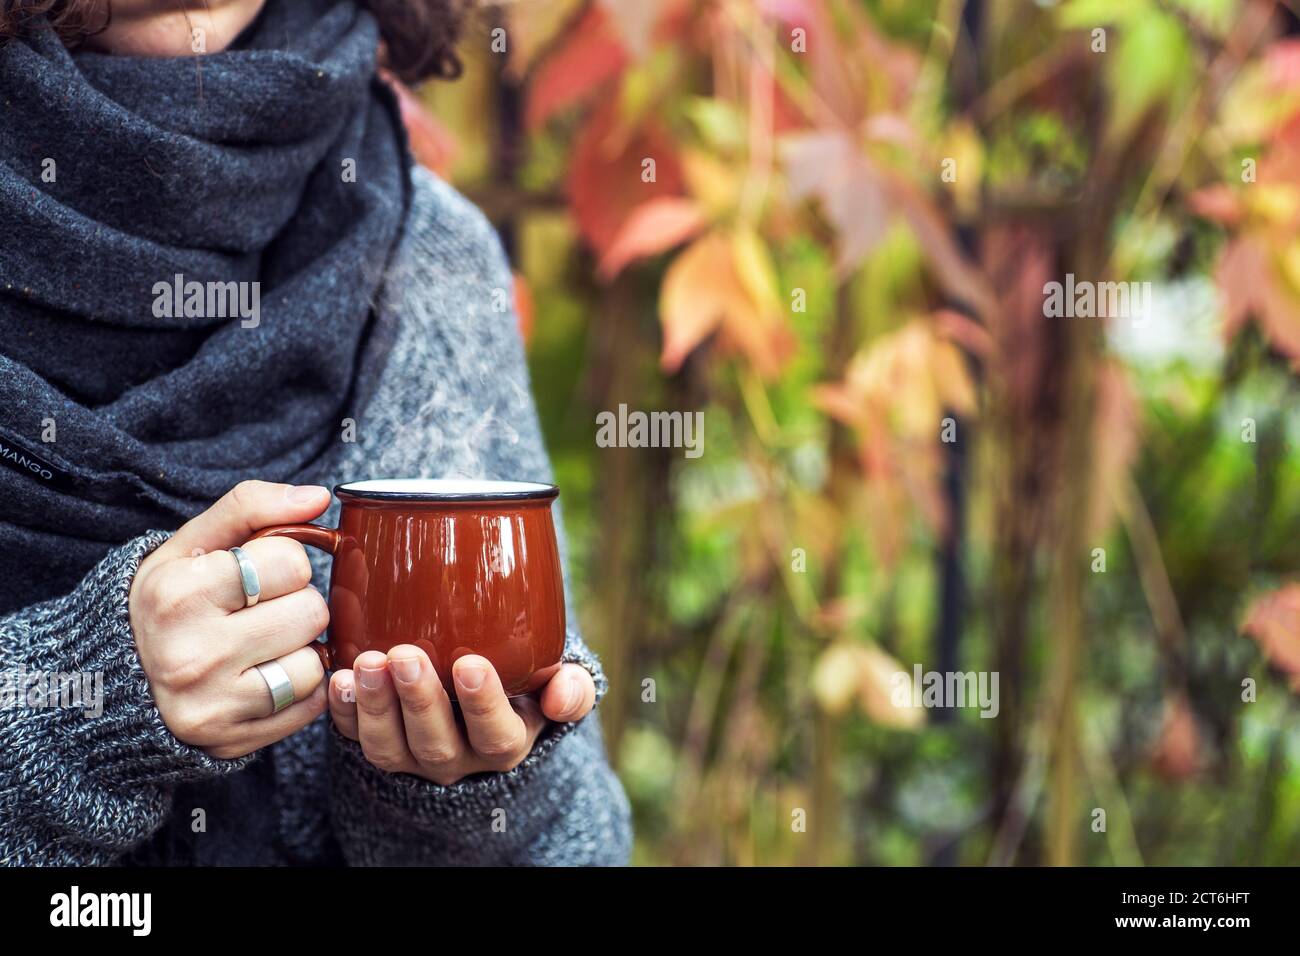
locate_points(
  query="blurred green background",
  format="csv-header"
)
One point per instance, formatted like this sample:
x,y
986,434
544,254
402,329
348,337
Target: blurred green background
x,y
827,225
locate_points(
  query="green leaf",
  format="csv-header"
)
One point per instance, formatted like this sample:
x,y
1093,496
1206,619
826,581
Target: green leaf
x,y
1150,58
720,123
1086,14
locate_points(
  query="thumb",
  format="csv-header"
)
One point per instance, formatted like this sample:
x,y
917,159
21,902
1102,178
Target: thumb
x,y
245,509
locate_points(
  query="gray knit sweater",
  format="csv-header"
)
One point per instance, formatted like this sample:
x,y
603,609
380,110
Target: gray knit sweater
x,y
451,401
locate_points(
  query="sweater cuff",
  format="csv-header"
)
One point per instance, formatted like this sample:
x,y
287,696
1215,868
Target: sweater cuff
x,y
120,739
423,801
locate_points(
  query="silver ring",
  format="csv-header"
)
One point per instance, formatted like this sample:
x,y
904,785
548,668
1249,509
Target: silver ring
x,y
248,577
278,683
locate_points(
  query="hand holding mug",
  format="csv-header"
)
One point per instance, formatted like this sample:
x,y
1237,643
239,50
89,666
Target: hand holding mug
x,y
468,571
200,642
395,706
446,589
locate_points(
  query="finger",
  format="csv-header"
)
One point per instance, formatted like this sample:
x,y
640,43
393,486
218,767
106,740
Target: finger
x,y
343,703
304,669
530,712
282,567
248,507
275,628
379,715
569,695
495,731
264,731
432,735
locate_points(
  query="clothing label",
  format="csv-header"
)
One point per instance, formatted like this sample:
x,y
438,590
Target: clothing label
x,y
21,458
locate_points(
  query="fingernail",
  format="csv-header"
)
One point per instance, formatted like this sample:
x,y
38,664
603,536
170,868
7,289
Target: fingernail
x,y
371,678
347,691
574,696
304,493
405,669
471,676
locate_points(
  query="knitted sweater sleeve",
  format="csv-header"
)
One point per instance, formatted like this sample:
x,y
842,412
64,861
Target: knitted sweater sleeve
x,y
87,765
473,416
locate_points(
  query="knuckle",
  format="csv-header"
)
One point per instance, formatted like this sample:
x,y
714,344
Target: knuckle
x,y
244,495
178,667
299,564
476,708
367,705
316,612
435,754
504,747
417,704
384,758
166,596
317,671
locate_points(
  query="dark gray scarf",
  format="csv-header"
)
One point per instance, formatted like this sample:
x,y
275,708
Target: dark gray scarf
x,y
272,180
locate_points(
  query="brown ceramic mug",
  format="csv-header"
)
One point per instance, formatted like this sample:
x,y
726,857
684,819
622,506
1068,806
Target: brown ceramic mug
x,y
454,567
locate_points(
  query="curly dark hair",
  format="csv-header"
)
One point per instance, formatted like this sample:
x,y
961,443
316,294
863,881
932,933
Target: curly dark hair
x,y
419,35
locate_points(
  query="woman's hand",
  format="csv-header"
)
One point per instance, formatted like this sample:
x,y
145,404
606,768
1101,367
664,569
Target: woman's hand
x,y
395,706
199,644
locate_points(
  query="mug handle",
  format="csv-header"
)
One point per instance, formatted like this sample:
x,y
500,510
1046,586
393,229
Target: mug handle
x,y
312,535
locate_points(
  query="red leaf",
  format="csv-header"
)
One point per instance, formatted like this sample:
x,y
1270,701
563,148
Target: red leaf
x,y
575,71
1178,751
1252,288
432,144
605,173
1283,62
1273,621
653,227
1217,203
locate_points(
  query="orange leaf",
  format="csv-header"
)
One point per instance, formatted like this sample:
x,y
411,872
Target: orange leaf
x,y
704,292
699,290
651,228
1273,621
524,306
591,55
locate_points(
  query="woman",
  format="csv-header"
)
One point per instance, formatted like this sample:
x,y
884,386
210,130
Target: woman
x,y
354,325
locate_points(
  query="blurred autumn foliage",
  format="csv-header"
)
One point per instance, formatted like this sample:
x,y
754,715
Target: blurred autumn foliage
x,y
829,224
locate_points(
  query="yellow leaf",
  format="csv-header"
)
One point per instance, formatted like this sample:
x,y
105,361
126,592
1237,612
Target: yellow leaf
x,y
754,265
835,677
714,184
962,145
878,676
1273,203
846,671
